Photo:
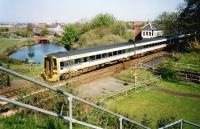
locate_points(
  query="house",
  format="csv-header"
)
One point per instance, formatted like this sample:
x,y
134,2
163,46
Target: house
x,y
151,30
56,29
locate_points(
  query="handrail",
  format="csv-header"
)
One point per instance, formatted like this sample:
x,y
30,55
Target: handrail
x,y
181,122
69,95
48,112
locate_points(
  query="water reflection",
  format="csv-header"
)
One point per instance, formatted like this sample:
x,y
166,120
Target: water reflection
x,y
37,52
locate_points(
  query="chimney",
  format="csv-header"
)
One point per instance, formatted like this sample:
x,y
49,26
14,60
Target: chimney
x,y
137,31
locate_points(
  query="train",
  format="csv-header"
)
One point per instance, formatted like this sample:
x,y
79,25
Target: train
x,y
63,65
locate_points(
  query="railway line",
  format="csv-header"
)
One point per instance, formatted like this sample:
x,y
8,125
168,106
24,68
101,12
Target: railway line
x,y
14,91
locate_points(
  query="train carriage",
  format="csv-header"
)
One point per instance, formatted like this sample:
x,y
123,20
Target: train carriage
x,y
63,65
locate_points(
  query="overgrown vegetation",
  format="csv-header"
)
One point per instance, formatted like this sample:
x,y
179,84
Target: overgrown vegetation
x,y
101,30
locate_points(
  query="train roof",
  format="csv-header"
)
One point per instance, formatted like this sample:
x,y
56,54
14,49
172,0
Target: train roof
x,y
99,48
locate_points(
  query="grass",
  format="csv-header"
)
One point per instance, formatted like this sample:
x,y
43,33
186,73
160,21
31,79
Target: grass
x,y
181,86
6,43
38,121
131,74
158,104
155,105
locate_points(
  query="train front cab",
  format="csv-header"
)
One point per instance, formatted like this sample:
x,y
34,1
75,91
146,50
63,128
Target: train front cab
x,y
51,69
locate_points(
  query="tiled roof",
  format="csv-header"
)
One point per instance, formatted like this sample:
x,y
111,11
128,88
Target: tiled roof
x,y
151,26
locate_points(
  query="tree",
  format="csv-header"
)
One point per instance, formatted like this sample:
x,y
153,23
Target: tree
x,y
119,28
103,20
69,36
44,31
168,21
189,17
29,29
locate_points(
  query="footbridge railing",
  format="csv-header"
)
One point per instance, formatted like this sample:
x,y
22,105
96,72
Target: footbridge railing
x,y
70,100
181,124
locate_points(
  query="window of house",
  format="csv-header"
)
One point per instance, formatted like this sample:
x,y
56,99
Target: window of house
x,y
146,33
149,33
143,33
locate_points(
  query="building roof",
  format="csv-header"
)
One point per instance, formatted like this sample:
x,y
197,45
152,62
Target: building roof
x,y
99,48
151,26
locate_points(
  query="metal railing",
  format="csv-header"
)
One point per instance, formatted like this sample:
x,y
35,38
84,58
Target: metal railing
x,y
181,124
48,113
70,99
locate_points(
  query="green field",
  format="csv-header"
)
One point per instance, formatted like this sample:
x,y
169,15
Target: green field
x,y
6,43
156,105
159,103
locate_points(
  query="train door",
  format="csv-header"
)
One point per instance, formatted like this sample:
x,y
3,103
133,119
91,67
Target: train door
x,y
47,66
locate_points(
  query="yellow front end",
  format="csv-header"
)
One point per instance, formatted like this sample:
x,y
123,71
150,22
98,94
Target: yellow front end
x,y
51,69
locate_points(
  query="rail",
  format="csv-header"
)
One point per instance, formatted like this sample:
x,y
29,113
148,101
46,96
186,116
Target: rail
x,y
181,122
70,99
133,87
48,112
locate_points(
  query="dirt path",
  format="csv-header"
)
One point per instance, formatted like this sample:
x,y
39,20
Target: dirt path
x,y
100,87
175,93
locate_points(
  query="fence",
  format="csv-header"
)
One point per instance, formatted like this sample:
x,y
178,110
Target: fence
x,y
133,86
70,99
181,124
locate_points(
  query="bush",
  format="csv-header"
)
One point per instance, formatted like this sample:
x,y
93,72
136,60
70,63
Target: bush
x,y
103,20
98,37
167,120
70,35
193,46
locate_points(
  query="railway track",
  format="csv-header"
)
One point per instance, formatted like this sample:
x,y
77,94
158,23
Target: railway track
x,y
13,92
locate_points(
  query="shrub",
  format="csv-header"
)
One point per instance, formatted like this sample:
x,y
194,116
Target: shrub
x,y
70,35
167,120
103,20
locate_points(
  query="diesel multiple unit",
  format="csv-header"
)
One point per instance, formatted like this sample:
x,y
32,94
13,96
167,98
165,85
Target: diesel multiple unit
x,y
63,65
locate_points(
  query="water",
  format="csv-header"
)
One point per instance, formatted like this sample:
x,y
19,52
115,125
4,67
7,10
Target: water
x,y
36,53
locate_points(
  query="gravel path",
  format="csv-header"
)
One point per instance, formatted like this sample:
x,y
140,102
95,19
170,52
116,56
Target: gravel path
x,y
100,87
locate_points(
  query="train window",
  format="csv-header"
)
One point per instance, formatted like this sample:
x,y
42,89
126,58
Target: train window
x,y
120,52
114,53
104,55
126,50
54,62
82,60
98,56
132,49
109,54
61,64
77,61
123,51
85,59
92,57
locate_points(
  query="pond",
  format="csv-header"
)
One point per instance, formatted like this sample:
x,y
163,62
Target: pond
x,y
36,53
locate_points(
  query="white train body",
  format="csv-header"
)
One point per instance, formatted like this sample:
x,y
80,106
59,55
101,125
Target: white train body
x,y
61,63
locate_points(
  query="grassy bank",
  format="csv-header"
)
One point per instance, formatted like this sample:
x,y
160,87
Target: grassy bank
x,y
8,46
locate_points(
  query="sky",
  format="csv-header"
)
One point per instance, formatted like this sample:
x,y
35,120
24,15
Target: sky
x,y
68,11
